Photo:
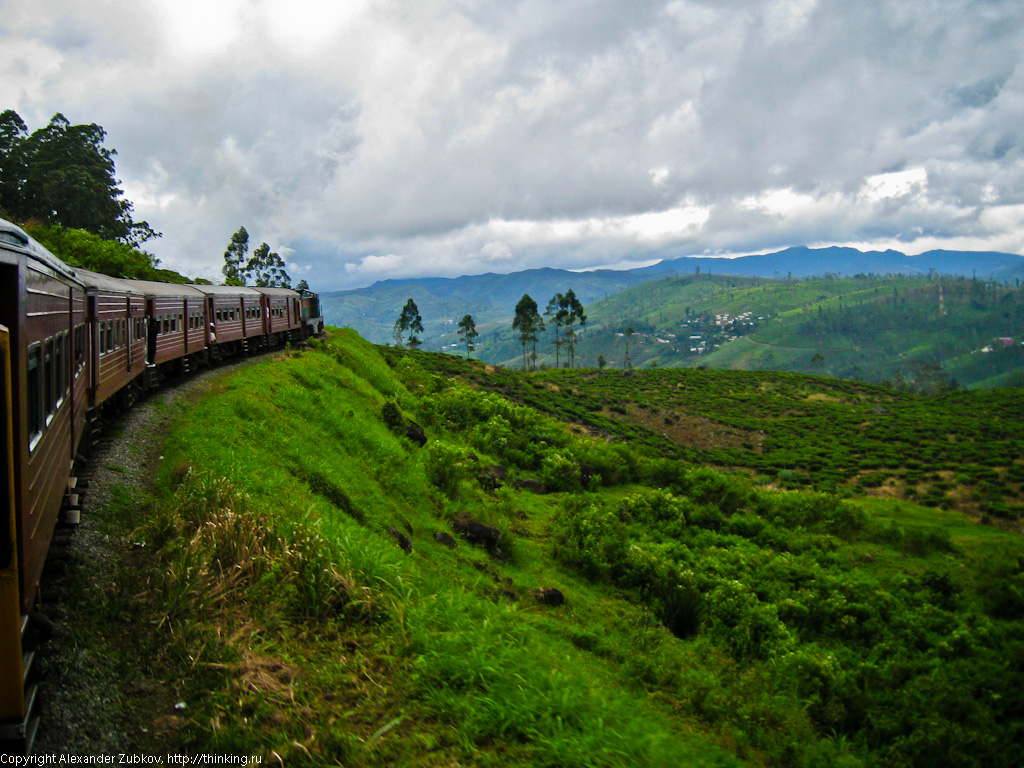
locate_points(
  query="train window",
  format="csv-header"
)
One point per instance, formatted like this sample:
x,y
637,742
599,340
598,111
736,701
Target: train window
x,y
35,395
58,369
79,349
167,323
110,335
49,390
174,323
102,347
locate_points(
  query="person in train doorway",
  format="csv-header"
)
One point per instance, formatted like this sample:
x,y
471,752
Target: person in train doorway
x,y
153,330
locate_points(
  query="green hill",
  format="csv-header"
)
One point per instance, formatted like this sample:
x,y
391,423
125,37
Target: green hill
x,y
866,328
559,577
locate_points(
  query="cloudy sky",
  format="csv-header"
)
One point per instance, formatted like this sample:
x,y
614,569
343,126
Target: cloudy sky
x,y
368,139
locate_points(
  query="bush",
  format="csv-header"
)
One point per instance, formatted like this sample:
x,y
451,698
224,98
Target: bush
x,y
445,465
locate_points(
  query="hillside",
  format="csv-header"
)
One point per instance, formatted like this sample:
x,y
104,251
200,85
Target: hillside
x,y
866,328
557,577
491,298
442,302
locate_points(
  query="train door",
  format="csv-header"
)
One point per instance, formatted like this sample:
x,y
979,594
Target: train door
x,y
12,694
152,331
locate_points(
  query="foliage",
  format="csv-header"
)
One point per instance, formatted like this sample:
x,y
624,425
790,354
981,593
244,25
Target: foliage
x,y
80,248
62,175
711,618
467,330
408,322
266,269
528,323
235,258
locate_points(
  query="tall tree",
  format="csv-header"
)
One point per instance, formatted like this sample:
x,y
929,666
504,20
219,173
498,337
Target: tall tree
x,y
557,312
574,315
529,323
62,174
467,329
234,258
628,363
266,269
12,162
409,321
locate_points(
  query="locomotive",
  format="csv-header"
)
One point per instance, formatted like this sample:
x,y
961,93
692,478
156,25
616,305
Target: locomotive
x,y
75,346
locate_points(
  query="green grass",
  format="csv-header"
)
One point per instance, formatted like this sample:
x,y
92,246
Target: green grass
x,y
710,619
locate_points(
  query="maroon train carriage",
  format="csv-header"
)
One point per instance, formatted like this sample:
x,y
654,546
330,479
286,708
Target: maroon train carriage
x,y
282,315
176,338
42,305
235,319
117,330
43,375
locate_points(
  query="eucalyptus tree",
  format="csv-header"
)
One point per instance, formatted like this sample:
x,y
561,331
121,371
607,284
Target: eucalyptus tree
x,y
409,321
574,315
557,312
529,323
234,258
467,329
266,268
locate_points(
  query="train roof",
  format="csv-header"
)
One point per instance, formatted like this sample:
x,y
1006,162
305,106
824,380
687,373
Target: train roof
x,y
107,283
277,291
227,290
153,288
12,234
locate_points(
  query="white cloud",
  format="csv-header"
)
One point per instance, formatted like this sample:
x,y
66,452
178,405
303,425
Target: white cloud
x,y
896,184
439,137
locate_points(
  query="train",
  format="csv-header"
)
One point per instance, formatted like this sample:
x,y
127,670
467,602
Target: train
x,y
77,347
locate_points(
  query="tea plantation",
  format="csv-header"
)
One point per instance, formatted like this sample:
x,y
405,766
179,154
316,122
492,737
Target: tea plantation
x,y
375,557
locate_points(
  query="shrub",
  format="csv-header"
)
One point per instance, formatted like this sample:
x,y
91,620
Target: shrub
x,y
445,465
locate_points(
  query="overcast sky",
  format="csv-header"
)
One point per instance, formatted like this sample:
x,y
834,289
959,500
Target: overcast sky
x,y
366,140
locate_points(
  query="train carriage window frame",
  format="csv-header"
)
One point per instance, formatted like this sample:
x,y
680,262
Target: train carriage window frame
x,y
79,348
58,370
49,392
34,399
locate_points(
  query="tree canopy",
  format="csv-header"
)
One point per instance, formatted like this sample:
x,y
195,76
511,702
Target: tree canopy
x,y
79,248
467,329
63,175
234,258
409,321
265,268
529,323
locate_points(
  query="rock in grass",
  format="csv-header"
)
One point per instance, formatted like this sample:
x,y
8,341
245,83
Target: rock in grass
x,y
549,596
477,533
403,541
441,537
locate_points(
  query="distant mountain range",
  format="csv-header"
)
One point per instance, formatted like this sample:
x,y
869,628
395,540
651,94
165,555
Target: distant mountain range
x,y
807,262
491,298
